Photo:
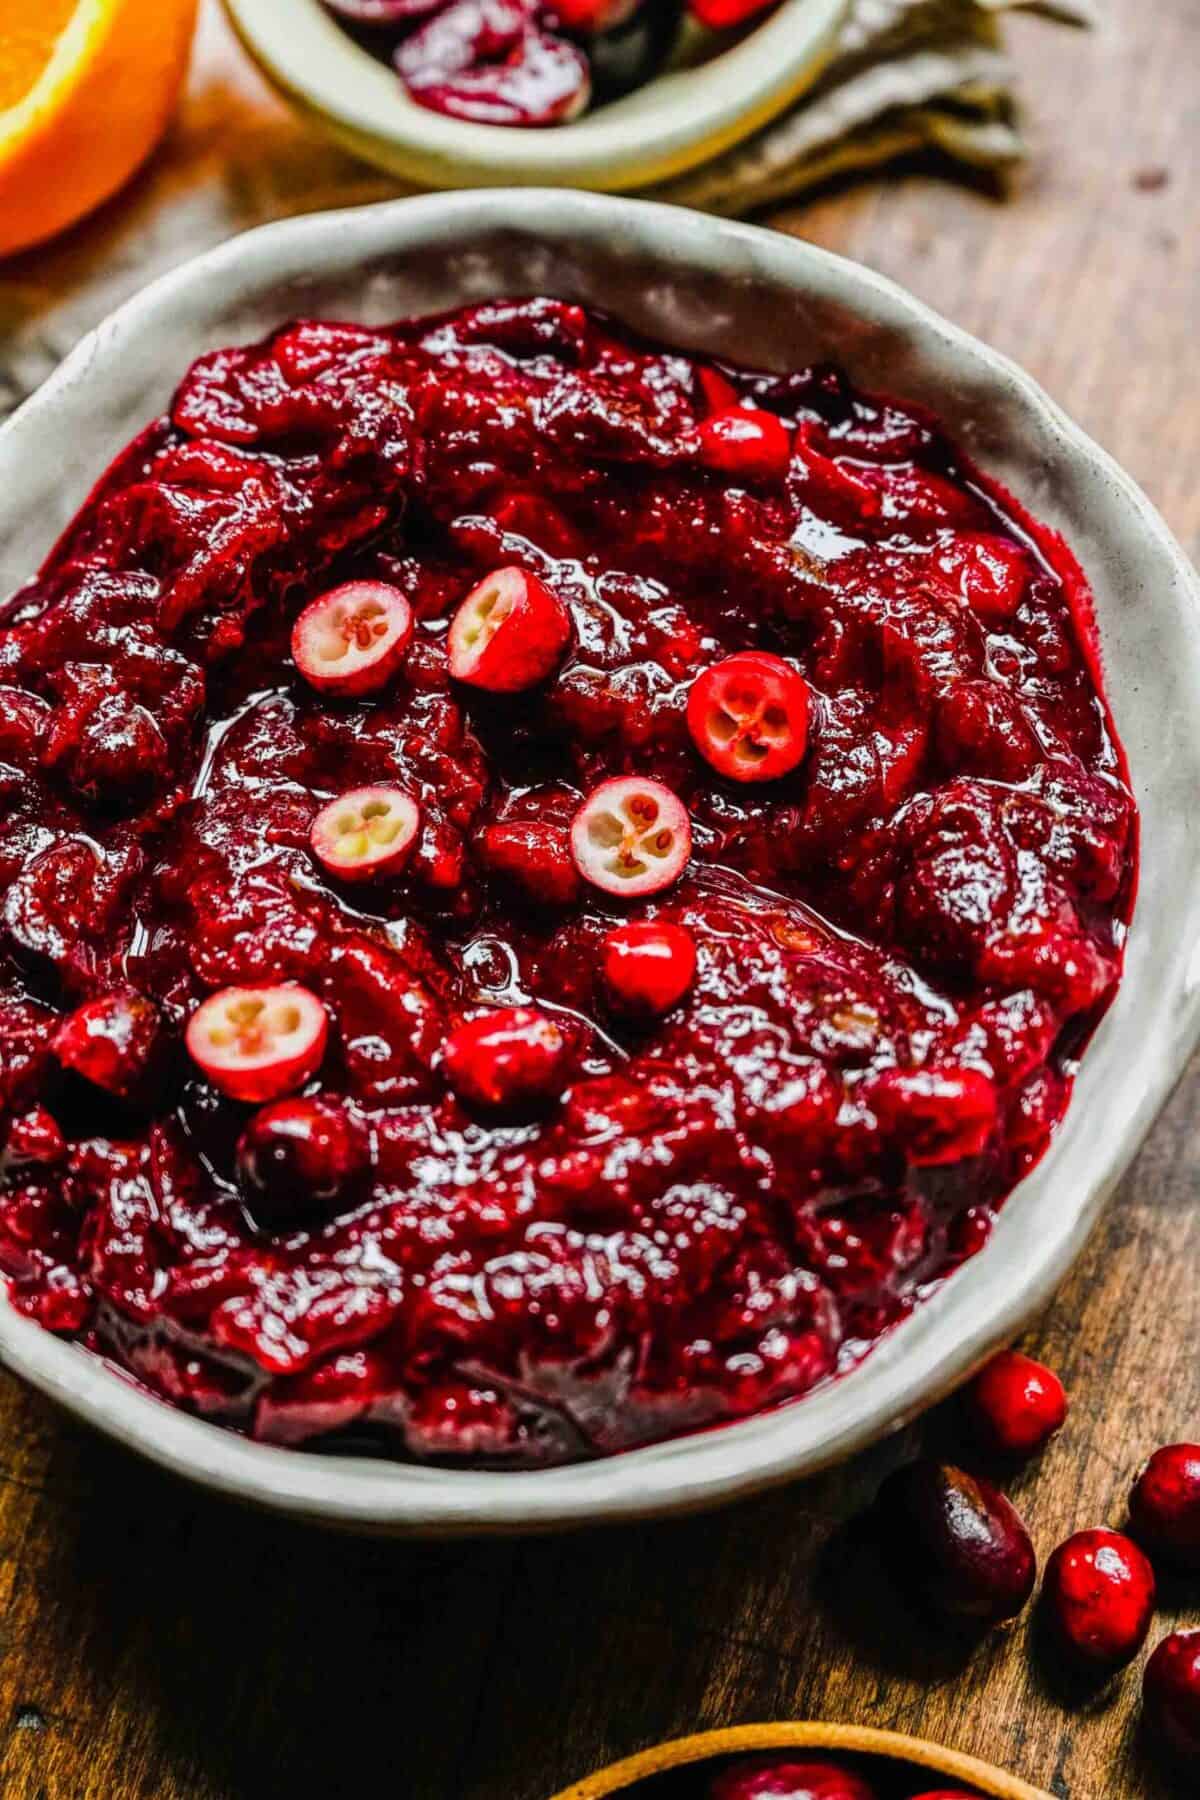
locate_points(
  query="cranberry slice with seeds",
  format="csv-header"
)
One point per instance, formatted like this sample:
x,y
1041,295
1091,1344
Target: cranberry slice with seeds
x,y
748,716
631,836
508,634
354,638
647,966
747,442
258,1043
367,832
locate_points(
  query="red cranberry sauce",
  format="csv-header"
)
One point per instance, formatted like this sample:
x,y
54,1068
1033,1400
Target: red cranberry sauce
x,y
901,943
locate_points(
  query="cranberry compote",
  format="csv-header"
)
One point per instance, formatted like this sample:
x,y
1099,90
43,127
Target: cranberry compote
x,y
517,1150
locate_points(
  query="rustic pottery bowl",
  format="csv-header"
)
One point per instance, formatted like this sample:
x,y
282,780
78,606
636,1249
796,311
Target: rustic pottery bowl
x,y
682,117
762,298
928,1762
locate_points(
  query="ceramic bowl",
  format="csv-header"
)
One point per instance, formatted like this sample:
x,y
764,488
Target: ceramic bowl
x,y
758,297
681,118
928,1763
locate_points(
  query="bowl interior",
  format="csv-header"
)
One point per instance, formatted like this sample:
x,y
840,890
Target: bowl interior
x,y
661,1772
754,297
680,118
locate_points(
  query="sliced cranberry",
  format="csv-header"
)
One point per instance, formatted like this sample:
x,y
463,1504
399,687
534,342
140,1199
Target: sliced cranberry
x,y
299,1160
486,61
957,1540
367,832
748,716
354,638
1164,1507
113,1042
508,634
788,1778
258,1043
1099,1597
647,967
1017,1404
507,1060
746,443
723,15
1171,1693
631,837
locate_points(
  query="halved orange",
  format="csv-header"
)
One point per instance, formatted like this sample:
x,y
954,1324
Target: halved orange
x,y
86,89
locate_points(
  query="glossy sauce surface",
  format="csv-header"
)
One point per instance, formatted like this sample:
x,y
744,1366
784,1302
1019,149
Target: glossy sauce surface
x,y
902,944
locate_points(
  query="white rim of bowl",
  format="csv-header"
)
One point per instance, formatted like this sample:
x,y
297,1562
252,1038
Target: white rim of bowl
x,y
696,112
932,1351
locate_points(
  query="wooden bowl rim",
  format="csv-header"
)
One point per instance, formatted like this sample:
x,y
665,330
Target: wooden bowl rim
x,y
801,1734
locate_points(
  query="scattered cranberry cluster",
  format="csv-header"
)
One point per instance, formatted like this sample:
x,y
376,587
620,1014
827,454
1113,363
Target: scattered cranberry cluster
x,y
956,1540
799,1777
527,62
548,887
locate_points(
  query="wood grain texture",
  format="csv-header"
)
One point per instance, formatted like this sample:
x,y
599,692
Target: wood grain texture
x,y
157,1645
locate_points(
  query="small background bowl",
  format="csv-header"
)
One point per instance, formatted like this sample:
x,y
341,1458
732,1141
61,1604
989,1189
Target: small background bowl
x,y
757,297
620,1779
675,121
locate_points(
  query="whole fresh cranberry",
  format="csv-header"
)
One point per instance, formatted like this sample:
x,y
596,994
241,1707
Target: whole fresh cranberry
x,y
955,1540
1099,1596
788,1778
300,1160
647,967
113,1042
1016,1404
507,1060
1164,1507
746,443
1171,1693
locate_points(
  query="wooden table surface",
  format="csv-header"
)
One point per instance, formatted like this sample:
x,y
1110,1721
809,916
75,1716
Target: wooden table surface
x,y
154,1642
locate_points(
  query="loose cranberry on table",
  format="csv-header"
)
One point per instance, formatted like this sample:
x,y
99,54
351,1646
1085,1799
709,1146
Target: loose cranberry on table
x,y
955,1540
1016,1404
301,1160
631,837
1164,1507
1098,1594
1171,1693
647,967
508,634
746,444
353,639
258,1043
788,1778
748,716
507,1060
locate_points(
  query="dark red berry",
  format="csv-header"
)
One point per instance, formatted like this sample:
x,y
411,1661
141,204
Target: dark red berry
x,y
1099,1596
299,1161
647,967
1164,1507
486,61
1016,1404
788,1778
533,855
956,1540
938,1115
507,1060
114,1042
1171,1693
